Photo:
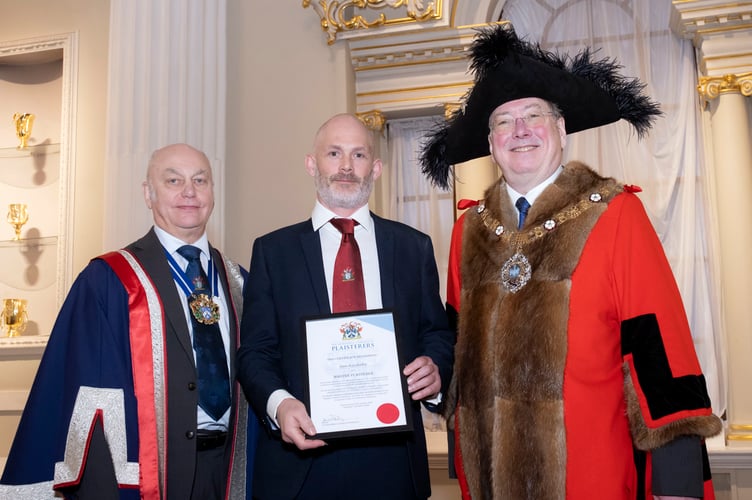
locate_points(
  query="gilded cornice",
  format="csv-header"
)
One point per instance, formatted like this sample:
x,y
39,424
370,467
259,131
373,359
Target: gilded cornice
x,y
353,15
720,30
407,58
374,120
739,432
450,108
696,19
417,70
711,87
412,48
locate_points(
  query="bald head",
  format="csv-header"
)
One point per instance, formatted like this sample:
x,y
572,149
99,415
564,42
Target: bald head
x,y
179,190
175,151
344,121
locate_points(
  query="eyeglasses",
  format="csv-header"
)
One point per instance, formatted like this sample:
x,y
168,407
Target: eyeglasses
x,y
505,123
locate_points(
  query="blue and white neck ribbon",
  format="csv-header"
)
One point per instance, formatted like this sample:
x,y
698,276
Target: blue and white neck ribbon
x,y
182,279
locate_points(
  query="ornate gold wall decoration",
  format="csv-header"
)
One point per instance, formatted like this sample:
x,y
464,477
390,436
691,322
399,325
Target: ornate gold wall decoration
x,y
350,15
740,432
711,87
374,120
450,108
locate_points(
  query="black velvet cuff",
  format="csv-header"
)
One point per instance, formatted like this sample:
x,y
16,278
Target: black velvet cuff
x,y
677,468
665,394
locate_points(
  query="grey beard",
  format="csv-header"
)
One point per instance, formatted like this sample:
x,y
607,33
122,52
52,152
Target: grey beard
x,y
354,200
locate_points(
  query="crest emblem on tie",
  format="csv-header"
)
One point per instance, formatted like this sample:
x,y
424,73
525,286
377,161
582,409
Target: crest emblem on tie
x,y
348,274
199,283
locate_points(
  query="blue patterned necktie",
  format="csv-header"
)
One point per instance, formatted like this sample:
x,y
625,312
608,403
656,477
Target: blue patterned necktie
x,y
211,360
523,206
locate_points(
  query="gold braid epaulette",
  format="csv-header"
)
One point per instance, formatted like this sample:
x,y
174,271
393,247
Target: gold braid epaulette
x,y
519,239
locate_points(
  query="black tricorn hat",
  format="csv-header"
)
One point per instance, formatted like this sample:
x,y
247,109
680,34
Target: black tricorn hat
x,y
588,93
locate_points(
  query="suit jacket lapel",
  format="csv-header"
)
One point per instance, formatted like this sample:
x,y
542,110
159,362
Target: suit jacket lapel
x,y
220,266
385,246
311,244
150,253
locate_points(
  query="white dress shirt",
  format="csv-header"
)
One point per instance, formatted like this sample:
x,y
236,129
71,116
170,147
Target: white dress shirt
x,y
171,244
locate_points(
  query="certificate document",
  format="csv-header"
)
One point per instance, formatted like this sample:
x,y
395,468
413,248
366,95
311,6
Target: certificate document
x,y
355,380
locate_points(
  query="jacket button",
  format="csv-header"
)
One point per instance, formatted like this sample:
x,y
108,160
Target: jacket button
x,y
190,434
191,386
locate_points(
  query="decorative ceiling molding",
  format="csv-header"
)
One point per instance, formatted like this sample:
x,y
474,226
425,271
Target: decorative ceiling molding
x,y
408,57
412,73
701,18
362,15
720,30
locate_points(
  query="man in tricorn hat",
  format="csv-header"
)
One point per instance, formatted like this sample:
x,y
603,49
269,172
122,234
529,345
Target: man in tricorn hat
x,y
575,373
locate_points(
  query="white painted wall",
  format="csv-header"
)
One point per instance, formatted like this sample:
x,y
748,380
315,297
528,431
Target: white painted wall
x,y
283,82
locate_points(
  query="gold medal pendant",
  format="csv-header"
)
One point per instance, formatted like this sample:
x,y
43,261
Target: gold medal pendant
x,y
203,308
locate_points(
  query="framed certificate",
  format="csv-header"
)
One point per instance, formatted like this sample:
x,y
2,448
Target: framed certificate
x,y
354,370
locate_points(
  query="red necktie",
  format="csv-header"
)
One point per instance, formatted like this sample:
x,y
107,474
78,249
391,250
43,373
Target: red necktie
x,y
348,290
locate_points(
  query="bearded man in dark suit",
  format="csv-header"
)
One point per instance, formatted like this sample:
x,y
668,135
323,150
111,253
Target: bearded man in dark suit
x,y
292,277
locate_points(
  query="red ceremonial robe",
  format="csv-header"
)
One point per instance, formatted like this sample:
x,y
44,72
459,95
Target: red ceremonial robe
x,y
564,386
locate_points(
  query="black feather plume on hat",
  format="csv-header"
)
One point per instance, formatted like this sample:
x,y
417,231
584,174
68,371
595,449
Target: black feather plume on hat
x,y
492,46
589,93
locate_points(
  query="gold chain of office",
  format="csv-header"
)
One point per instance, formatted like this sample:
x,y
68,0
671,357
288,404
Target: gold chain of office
x,y
520,239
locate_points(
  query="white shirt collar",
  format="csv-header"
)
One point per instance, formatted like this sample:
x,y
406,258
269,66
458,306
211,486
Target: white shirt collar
x,y
171,243
533,194
322,215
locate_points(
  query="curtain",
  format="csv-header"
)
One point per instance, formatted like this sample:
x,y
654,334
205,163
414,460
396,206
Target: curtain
x,y
669,164
409,196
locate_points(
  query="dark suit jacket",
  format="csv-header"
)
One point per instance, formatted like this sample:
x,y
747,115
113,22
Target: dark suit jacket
x,y
286,282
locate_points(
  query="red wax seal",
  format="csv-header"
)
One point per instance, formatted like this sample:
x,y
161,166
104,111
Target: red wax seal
x,y
387,413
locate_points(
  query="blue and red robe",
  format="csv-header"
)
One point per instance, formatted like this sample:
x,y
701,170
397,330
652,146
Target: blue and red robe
x,y
104,367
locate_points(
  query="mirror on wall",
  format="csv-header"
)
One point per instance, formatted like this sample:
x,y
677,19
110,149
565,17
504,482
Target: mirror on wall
x,y
37,86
